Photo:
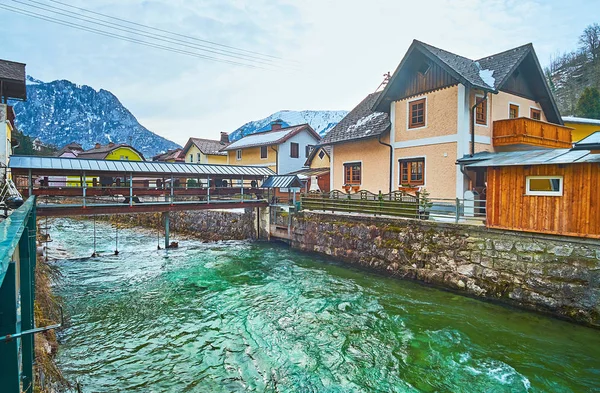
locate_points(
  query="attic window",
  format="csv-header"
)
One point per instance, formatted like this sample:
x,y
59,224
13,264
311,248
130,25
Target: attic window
x,y
321,154
536,114
424,68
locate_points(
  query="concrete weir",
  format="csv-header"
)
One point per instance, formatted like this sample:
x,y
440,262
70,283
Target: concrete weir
x,y
551,274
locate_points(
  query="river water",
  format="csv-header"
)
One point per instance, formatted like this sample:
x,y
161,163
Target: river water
x,y
238,316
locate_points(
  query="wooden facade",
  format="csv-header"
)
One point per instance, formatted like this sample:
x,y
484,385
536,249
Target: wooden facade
x,y
524,130
575,213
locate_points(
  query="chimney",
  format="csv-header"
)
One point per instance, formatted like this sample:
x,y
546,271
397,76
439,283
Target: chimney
x,y
276,125
111,144
97,146
224,138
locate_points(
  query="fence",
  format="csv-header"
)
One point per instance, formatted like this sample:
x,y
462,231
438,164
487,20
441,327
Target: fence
x,y
397,204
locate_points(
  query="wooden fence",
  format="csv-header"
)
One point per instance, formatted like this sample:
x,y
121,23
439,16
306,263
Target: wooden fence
x,y
397,203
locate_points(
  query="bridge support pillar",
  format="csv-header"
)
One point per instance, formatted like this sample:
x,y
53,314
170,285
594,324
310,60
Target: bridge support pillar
x,y
167,224
262,222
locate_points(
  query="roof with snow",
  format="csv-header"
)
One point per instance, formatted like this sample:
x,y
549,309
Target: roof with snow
x,y
491,74
206,146
12,75
362,122
580,120
271,137
590,142
530,157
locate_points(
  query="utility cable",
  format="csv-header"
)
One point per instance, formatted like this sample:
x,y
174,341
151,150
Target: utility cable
x,y
139,32
124,38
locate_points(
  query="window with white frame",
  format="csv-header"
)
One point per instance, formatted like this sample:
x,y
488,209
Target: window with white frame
x,y
544,185
238,154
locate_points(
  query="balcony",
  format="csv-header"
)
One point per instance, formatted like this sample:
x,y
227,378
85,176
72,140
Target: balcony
x,y
526,131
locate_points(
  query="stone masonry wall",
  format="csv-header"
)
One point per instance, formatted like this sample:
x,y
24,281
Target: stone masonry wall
x,y
209,225
555,275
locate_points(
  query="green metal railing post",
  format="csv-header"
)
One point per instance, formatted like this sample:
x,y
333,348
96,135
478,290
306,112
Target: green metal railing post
x,y
9,350
457,211
27,255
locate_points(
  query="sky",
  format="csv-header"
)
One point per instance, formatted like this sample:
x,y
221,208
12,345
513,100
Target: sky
x,y
334,52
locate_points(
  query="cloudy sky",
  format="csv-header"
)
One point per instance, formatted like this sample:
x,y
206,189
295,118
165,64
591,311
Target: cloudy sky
x,y
335,51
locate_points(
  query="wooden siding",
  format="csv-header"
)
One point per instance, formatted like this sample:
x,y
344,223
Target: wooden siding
x,y
414,83
523,130
575,213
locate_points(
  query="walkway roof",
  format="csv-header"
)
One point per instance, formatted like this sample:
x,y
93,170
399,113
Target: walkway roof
x,y
58,166
282,181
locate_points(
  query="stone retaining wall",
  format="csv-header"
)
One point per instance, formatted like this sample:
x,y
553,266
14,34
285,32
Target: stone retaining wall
x,y
556,275
208,225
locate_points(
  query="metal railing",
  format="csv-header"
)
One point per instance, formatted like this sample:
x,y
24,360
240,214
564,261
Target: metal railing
x,y
396,204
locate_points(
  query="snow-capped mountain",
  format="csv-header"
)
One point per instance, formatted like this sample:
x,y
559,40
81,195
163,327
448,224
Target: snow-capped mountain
x,y
61,112
320,121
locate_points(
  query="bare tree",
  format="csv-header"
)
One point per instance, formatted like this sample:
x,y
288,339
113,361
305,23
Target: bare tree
x,y
589,41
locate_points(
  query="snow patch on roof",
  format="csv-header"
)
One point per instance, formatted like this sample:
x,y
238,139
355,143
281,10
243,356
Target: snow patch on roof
x,y
487,78
583,120
364,120
263,138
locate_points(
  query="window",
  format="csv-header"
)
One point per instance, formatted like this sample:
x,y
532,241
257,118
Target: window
x,y
238,154
294,150
544,185
321,154
264,152
513,111
308,150
198,156
191,158
416,113
481,111
412,172
536,114
352,173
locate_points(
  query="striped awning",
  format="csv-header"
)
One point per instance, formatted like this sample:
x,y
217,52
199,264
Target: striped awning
x,y
282,181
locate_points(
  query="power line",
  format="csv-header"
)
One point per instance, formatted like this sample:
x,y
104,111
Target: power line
x,y
123,38
167,31
112,25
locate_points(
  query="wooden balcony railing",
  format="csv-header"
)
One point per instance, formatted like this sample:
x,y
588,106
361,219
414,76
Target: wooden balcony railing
x,y
523,130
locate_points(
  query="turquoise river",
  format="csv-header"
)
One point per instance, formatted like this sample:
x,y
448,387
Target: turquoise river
x,y
258,317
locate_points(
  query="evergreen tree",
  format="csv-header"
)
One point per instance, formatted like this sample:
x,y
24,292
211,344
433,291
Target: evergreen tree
x,y
589,103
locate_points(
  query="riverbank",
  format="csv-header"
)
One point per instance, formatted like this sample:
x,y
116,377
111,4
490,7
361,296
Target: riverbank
x,y
548,274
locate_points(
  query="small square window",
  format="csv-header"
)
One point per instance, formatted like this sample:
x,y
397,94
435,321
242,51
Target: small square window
x,y
544,185
238,154
264,152
416,113
536,114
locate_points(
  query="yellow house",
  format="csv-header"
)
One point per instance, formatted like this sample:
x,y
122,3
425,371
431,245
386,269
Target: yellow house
x,y
282,149
582,127
6,140
206,151
112,151
443,107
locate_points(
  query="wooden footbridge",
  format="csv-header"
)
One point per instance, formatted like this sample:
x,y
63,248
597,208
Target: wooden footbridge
x,y
79,187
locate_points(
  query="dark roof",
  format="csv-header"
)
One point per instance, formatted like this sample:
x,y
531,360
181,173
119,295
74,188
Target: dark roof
x,y
361,122
471,73
282,181
315,150
590,142
12,75
103,151
206,146
175,154
72,147
273,137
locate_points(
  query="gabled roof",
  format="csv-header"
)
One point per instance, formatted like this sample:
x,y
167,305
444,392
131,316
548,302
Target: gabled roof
x,y
206,146
271,137
489,73
103,151
282,181
12,75
315,150
73,147
361,122
175,155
